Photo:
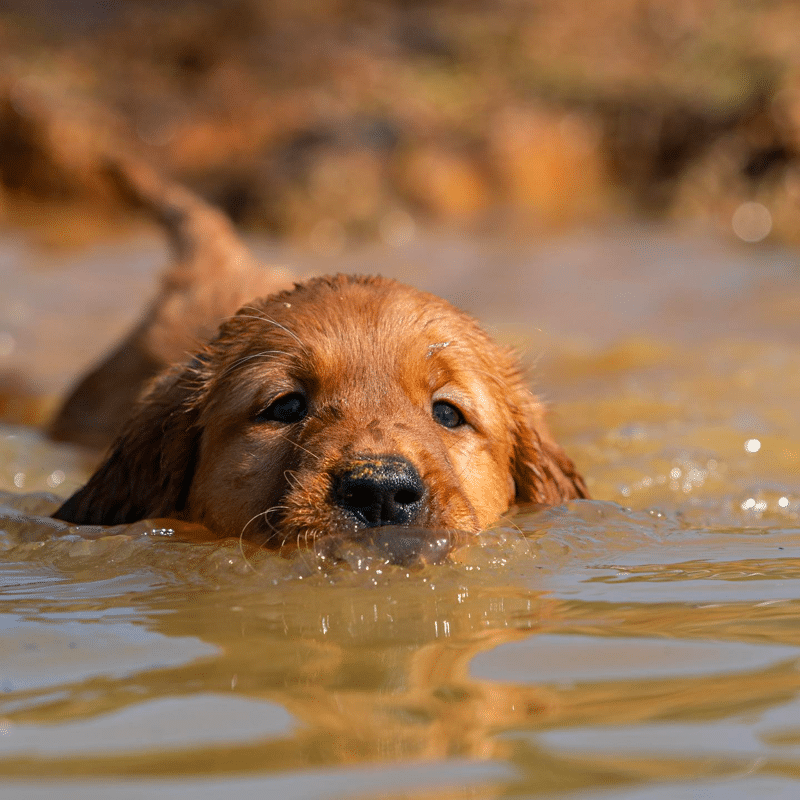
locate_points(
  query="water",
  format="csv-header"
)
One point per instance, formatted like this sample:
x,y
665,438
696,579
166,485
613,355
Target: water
x,y
641,645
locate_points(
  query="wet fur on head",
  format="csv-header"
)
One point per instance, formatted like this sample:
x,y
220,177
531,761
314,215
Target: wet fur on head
x,y
373,359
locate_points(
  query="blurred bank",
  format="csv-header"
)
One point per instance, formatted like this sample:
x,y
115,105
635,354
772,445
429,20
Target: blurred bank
x,y
338,121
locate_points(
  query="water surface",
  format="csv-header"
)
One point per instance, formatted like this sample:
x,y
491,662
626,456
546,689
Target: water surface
x,y
641,645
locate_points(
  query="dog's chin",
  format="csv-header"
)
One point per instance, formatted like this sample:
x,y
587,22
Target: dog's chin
x,y
334,536
402,545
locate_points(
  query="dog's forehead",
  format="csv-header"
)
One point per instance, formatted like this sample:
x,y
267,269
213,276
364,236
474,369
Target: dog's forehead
x,y
363,320
358,343
359,346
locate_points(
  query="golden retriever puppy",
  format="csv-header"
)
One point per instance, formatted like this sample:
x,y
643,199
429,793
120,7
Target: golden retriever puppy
x,y
345,404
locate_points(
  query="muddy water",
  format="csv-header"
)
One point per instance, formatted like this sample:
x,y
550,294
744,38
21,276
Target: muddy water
x,y
642,645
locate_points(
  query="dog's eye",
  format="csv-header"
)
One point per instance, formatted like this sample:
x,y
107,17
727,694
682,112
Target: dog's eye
x,y
286,409
447,415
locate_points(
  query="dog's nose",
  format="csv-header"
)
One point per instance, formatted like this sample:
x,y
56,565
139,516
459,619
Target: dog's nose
x,y
381,490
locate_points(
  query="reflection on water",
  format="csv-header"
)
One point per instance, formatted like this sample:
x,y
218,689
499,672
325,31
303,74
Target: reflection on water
x,y
634,646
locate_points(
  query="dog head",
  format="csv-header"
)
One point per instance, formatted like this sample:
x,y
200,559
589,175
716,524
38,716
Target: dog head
x,y
348,403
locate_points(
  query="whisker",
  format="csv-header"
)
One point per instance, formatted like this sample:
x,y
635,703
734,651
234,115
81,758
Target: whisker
x,y
252,519
292,479
263,354
269,511
263,318
299,446
507,520
241,538
303,549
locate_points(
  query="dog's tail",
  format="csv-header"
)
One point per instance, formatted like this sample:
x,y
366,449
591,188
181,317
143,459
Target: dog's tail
x,y
211,276
202,237
72,148
68,147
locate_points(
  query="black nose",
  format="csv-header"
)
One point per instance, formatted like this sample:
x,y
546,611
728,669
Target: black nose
x,y
380,490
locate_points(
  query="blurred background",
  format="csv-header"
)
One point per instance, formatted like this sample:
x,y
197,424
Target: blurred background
x,y
330,126
332,121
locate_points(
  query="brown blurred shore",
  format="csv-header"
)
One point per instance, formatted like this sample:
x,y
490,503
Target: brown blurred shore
x,y
338,121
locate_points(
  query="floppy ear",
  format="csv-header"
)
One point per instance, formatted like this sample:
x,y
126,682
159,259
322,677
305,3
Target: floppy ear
x,y
543,472
151,465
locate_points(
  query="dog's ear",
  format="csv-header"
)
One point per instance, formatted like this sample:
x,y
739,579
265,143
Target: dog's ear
x,y
543,472
151,465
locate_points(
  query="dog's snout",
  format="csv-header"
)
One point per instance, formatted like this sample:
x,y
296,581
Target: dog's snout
x,y
383,490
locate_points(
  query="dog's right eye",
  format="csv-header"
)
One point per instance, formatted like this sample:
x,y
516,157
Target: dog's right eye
x,y
447,415
286,409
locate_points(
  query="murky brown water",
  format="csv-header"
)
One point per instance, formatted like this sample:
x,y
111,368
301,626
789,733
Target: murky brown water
x,y
643,645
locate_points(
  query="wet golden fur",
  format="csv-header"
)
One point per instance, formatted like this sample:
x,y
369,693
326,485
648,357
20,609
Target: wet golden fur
x,y
372,359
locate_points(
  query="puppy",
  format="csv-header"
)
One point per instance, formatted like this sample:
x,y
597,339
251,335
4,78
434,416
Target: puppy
x,y
345,404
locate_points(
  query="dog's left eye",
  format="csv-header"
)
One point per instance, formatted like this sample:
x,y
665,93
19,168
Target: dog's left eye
x,y
287,409
447,415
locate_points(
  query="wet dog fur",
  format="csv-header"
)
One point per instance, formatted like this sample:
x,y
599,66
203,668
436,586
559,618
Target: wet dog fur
x,y
346,403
